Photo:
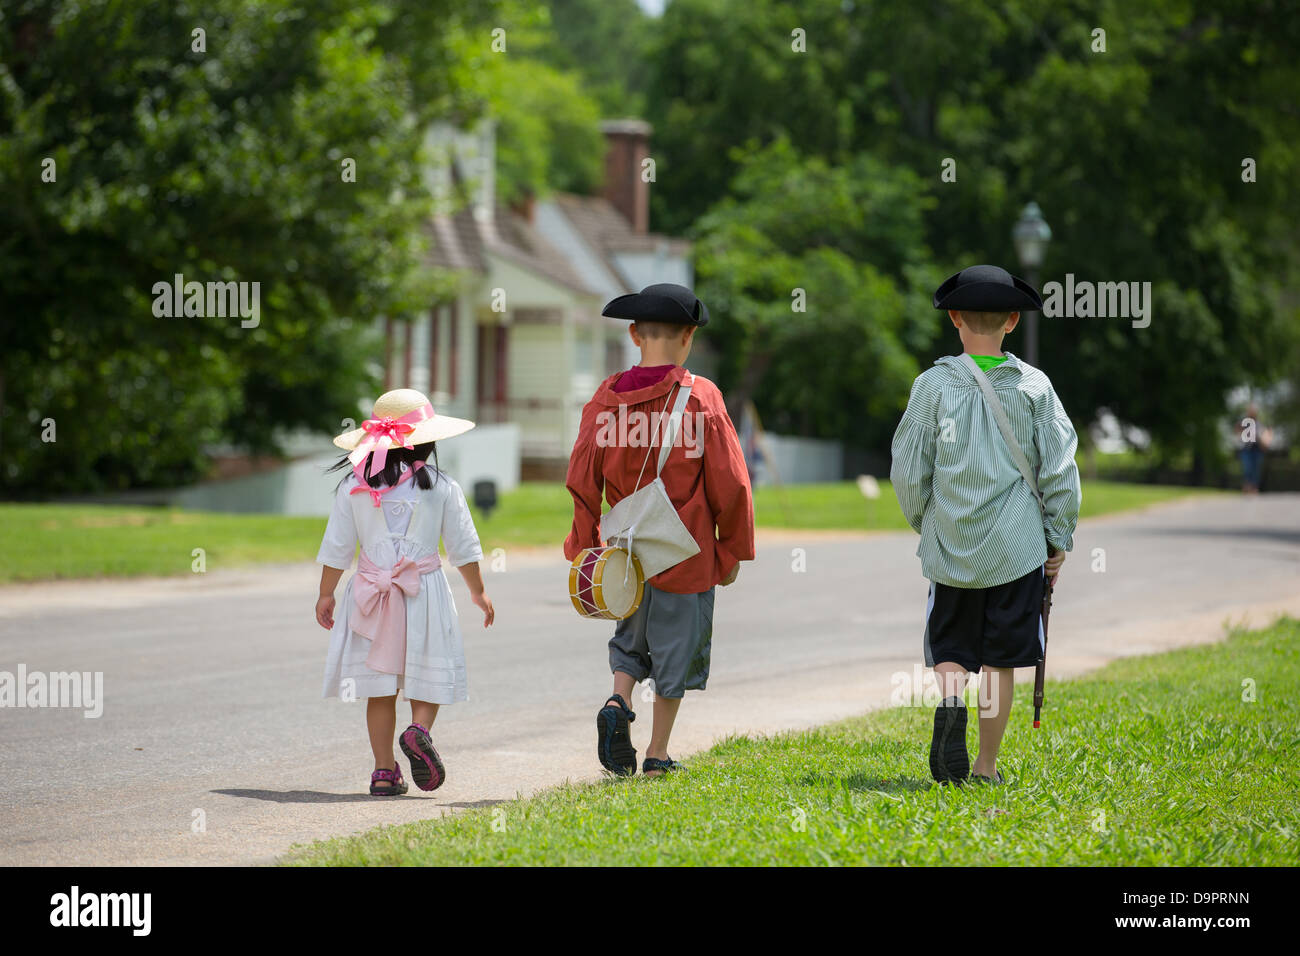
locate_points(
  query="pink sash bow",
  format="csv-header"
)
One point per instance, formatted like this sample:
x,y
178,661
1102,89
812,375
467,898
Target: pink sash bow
x,y
379,607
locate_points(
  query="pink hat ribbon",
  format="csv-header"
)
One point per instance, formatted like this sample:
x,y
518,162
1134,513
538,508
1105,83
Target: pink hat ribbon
x,y
382,434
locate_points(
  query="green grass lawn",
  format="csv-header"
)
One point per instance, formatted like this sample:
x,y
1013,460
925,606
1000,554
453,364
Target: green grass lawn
x,y
1150,761
841,506
78,541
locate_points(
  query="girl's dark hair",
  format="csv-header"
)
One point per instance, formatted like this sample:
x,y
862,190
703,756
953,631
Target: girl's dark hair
x,y
392,466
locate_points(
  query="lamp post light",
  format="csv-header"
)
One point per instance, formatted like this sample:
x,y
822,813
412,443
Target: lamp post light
x,y
1031,234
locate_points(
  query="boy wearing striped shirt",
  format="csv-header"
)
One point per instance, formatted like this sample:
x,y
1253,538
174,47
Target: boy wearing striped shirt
x,y
986,545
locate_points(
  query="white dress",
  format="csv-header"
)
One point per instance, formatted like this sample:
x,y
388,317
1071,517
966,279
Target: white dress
x,y
408,522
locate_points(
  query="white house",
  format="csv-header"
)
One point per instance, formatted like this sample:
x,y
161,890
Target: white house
x,y
520,344
522,340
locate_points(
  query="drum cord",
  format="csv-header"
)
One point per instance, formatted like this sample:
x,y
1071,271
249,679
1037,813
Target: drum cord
x,y
627,566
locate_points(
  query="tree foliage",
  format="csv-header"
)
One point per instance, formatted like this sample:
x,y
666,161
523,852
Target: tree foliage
x,y
818,316
1135,155
605,42
219,164
548,130
814,168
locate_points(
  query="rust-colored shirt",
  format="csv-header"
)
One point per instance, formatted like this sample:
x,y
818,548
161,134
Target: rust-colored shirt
x,y
705,475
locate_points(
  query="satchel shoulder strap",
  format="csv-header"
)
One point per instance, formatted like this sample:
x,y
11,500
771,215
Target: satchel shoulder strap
x,y
1004,426
675,420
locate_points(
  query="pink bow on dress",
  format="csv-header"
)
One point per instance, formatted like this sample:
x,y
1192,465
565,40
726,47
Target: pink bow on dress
x,y
379,607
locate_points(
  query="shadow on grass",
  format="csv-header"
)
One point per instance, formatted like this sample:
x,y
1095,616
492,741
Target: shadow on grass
x,y
867,783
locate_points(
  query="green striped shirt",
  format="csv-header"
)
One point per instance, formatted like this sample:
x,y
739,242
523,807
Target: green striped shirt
x,y
959,487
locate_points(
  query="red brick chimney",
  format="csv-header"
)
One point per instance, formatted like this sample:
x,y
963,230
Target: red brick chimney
x,y
627,144
525,207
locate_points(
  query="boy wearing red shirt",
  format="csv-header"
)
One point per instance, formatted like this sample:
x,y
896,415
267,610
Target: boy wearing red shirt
x,y
669,637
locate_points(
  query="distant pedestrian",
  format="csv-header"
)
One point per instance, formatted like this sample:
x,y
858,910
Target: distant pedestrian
x,y
397,628
986,545
1254,440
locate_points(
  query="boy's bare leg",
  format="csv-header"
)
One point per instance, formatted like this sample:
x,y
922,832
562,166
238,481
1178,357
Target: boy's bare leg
x,y
665,714
381,721
623,684
952,679
995,711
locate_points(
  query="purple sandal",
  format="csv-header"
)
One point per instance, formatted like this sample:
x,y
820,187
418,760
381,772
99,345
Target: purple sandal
x,y
396,785
426,766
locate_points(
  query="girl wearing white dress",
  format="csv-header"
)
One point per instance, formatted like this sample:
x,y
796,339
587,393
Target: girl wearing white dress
x,y
396,628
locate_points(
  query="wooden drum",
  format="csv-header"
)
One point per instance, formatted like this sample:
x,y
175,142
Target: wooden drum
x,y
606,583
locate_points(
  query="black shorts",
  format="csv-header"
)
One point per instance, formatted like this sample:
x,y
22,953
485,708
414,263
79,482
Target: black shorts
x,y
1001,626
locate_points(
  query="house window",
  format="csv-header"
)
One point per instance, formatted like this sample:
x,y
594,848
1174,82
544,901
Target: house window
x,y
420,354
409,336
435,346
492,384
453,348
389,347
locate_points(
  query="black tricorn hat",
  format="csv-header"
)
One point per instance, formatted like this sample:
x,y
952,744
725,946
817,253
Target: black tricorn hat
x,y
987,289
663,302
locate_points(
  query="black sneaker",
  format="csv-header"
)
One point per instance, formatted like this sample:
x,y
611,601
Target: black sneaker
x,y
614,737
949,762
662,767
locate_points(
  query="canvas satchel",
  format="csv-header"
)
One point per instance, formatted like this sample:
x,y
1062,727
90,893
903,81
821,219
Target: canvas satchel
x,y
645,522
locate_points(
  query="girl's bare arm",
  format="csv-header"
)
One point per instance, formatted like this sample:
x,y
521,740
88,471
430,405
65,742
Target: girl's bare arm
x,y
474,581
329,580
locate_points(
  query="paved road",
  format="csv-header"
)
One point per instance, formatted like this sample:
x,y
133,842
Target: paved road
x,y
212,683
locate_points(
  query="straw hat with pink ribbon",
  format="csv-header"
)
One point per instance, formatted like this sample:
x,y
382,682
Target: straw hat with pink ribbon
x,y
402,418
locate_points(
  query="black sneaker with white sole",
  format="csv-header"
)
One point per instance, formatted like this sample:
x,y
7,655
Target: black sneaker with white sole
x,y
949,761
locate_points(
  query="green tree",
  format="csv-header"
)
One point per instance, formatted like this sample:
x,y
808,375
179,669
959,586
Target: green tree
x,y
606,42
222,161
1135,155
548,132
824,311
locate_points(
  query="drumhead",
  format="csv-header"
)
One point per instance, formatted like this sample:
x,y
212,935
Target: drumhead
x,y
620,583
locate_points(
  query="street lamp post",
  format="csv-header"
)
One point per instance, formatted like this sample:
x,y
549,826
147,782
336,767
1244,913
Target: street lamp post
x,y
1031,234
